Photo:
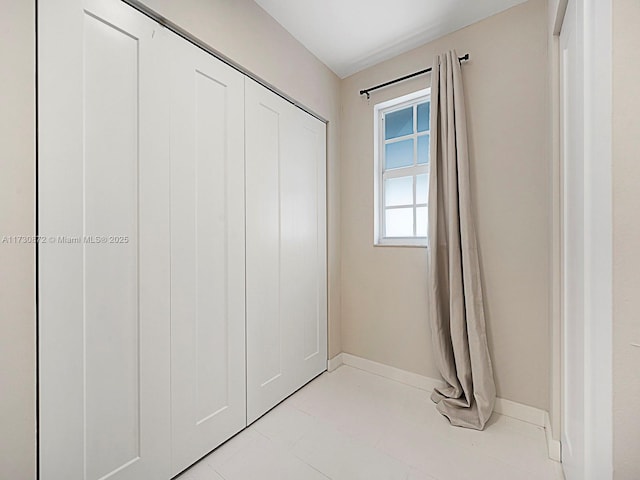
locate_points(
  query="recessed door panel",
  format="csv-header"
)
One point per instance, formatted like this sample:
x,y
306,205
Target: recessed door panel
x,y
111,280
263,265
302,239
211,249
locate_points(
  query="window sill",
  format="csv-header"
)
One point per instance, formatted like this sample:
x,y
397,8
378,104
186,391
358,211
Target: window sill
x,y
401,242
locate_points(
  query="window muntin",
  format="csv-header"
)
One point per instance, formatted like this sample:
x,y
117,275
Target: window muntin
x,y
402,169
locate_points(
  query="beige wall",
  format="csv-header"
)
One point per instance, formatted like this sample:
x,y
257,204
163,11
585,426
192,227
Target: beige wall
x,y
626,239
17,217
384,314
245,33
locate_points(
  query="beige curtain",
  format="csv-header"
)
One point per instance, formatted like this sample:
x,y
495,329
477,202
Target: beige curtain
x,y
455,291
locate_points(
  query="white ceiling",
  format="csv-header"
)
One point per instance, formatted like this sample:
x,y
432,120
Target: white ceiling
x,y
351,35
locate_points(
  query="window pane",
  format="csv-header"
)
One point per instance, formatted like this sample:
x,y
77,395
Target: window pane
x,y
398,191
424,110
398,154
422,188
399,222
421,221
423,149
397,124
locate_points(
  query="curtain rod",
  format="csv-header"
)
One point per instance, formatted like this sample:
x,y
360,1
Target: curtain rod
x,y
406,77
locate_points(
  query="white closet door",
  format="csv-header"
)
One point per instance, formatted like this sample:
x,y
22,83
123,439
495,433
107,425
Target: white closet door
x,y
104,269
207,253
286,248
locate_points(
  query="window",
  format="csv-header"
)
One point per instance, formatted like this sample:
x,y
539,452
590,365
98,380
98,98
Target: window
x,y
402,169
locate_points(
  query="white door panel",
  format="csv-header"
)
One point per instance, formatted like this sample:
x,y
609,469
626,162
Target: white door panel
x,y
104,271
286,248
207,252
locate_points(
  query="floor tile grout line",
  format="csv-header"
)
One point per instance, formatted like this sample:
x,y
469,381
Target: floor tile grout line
x,y
485,453
480,450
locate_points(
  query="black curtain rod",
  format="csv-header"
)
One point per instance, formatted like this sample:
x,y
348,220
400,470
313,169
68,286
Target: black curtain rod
x,y
406,77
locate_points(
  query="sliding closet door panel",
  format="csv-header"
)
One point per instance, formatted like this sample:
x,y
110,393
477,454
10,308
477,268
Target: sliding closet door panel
x,y
104,269
207,253
286,279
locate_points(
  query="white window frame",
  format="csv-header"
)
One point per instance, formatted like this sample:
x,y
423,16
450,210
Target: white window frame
x,y
379,112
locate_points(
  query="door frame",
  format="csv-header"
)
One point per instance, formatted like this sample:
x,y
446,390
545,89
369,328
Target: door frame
x,y
597,42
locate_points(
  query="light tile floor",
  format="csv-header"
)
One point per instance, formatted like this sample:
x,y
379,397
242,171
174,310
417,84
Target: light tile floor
x,y
352,425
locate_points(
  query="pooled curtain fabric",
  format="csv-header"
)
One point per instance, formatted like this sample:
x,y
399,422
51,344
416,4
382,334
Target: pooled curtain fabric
x,y
455,291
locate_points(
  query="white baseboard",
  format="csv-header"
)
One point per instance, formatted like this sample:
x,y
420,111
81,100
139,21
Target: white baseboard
x,y
334,362
505,407
392,373
520,411
553,445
